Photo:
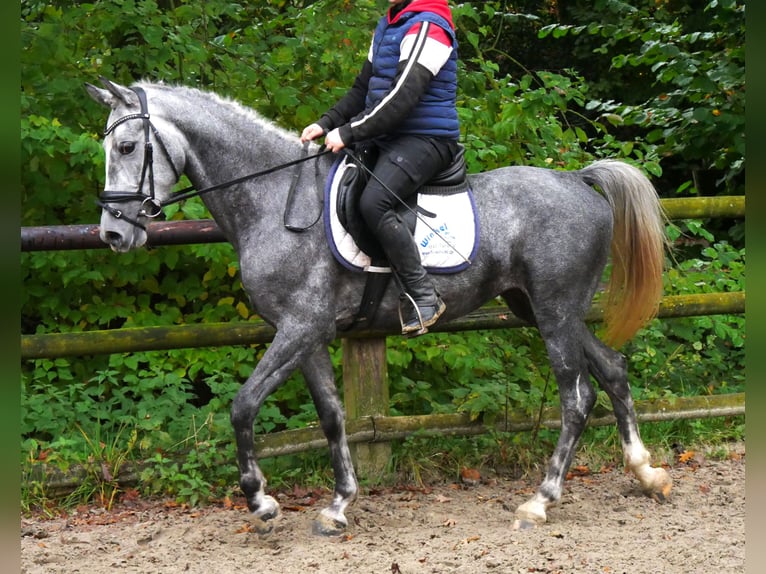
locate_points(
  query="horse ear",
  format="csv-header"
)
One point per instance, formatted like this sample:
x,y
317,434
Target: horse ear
x,y
101,96
114,94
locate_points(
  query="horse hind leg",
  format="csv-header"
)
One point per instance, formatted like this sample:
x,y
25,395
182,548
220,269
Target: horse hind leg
x,y
577,397
319,376
609,368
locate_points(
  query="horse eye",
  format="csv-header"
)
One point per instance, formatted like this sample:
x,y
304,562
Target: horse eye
x,y
126,147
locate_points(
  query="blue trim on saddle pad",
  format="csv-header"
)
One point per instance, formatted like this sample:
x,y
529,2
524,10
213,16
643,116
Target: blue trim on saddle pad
x,y
452,226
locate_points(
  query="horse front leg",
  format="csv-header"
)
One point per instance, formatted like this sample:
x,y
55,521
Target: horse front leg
x,y
279,361
610,370
577,398
318,371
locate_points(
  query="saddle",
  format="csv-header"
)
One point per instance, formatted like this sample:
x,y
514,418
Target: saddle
x,y
355,177
443,209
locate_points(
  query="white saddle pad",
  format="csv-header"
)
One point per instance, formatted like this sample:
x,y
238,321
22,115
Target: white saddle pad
x,y
446,232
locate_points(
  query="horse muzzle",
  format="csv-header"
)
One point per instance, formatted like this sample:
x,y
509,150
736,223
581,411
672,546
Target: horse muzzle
x,y
120,235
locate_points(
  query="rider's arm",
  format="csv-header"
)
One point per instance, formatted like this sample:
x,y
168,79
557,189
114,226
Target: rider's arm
x,y
424,50
349,105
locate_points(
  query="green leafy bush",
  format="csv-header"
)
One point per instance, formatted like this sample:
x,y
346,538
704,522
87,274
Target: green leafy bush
x,y
695,61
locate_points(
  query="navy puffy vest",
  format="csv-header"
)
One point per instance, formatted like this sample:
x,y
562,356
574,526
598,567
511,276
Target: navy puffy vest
x,y
435,113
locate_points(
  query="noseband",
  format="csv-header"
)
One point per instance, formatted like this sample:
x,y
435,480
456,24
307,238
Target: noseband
x,y
151,207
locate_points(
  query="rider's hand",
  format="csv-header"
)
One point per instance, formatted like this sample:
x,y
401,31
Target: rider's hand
x,y
333,141
311,132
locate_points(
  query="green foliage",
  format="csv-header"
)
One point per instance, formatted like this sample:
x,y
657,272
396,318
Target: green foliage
x,y
534,119
705,354
483,373
424,460
670,99
697,68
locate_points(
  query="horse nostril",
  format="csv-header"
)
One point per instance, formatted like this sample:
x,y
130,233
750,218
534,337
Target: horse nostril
x,y
112,237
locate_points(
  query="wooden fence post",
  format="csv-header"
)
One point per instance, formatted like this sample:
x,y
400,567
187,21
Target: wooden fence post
x,y
365,393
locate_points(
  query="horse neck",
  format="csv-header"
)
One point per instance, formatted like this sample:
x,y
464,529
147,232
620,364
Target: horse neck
x,y
225,141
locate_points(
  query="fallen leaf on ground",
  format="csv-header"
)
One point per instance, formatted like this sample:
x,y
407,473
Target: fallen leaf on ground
x,y
465,541
470,476
579,470
294,507
686,456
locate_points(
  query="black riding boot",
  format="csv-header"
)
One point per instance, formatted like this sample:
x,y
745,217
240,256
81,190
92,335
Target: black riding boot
x,y
421,300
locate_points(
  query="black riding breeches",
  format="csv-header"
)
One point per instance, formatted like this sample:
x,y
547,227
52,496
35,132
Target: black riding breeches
x,y
403,164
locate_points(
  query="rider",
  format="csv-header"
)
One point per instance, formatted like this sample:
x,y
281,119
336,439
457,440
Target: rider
x,y
403,104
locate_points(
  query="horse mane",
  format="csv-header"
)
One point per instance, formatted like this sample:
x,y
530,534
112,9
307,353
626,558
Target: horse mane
x,y
234,107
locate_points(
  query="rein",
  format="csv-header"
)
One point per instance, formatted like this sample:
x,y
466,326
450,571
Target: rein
x,y
189,192
147,168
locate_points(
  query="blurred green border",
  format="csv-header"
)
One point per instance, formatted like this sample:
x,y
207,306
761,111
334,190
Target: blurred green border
x,y
756,300
10,14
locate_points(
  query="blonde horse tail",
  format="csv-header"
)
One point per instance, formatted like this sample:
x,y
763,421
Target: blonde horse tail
x,y
634,290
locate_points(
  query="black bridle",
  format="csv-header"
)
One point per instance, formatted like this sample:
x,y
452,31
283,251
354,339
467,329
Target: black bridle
x,y
150,201
147,169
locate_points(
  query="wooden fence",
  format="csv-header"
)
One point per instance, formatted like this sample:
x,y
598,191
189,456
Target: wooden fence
x,y
369,427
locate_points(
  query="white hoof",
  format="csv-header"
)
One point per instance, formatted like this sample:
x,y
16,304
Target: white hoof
x,y
531,514
329,523
655,481
267,509
657,484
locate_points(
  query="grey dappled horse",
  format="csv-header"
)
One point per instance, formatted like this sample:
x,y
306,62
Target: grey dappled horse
x,y
545,240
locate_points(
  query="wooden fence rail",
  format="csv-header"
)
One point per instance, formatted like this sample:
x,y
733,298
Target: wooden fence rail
x,y
134,339
67,237
373,433
364,366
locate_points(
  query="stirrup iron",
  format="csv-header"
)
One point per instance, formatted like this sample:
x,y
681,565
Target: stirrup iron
x,y
417,324
423,329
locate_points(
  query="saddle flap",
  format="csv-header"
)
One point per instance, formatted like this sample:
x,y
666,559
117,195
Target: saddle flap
x,y
347,186
351,180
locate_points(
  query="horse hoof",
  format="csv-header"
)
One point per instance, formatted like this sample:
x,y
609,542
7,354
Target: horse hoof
x,y
662,494
661,485
530,515
267,510
326,525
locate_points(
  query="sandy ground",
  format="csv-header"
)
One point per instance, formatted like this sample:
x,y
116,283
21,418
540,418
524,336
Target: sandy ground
x,y
603,524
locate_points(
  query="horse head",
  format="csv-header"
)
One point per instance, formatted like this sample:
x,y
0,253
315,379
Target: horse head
x,y
137,182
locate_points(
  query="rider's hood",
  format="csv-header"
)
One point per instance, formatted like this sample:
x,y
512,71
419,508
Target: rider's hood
x,y
439,7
